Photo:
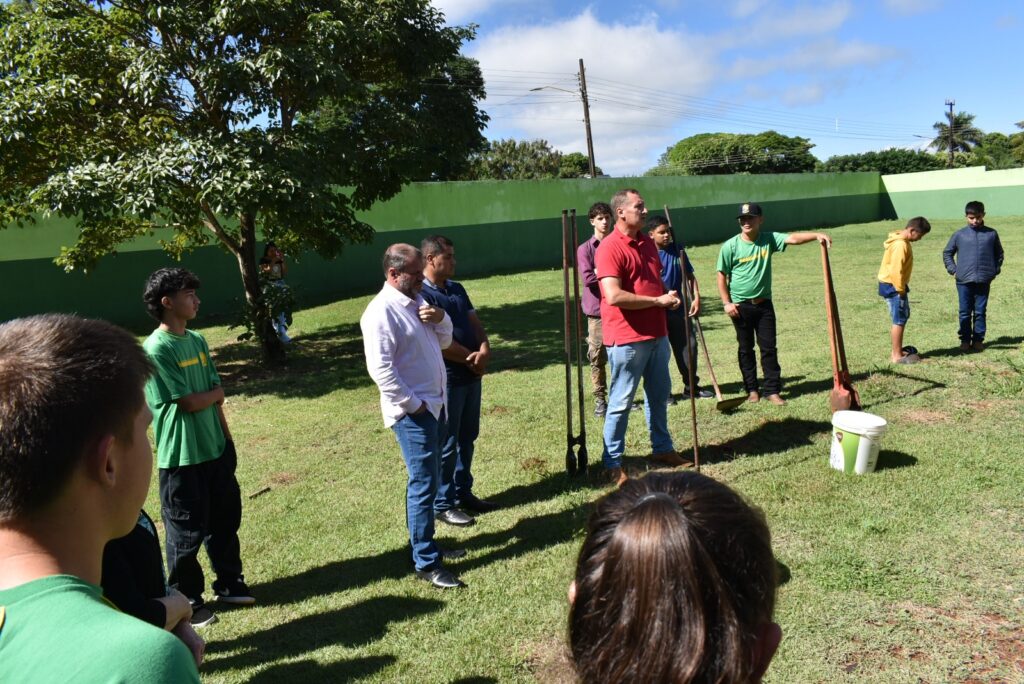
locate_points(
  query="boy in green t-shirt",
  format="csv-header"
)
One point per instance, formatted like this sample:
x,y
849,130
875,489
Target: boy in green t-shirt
x,y
75,466
745,285
199,496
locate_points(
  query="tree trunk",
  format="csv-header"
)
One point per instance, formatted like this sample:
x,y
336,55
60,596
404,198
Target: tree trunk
x,y
271,345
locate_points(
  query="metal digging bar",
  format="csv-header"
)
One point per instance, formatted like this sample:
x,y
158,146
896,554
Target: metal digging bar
x,y
690,351
721,404
574,463
581,456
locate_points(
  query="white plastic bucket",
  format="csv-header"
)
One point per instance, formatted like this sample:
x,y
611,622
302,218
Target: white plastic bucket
x,y
856,437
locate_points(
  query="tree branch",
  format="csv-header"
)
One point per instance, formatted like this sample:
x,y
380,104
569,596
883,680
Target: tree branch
x,y
214,226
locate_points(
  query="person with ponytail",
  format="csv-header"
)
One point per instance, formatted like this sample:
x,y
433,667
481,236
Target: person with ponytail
x,y
675,582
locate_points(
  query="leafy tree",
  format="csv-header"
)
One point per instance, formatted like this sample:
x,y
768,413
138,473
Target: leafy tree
x,y
1017,143
213,122
576,165
725,153
957,131
515,160
996,151
890,161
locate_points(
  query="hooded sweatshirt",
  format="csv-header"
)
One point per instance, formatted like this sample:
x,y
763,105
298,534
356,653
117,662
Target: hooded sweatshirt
x,y
897,262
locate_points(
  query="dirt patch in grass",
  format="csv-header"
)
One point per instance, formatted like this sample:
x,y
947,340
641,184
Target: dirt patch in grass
x,y
925,416
283,478
1000,641
549,661
988,405
534,464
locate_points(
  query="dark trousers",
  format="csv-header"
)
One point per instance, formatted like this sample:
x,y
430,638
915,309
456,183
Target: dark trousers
x,y
757,321
973,302
684,350
201,504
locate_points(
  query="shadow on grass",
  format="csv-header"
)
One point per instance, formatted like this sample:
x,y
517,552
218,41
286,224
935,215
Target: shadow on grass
x,y
352,626
336,577
531,332
1004,342
891,460
774,437
396,563
312,671
317,364
551,485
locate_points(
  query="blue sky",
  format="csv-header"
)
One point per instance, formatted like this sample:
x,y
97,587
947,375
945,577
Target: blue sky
x,y
850,76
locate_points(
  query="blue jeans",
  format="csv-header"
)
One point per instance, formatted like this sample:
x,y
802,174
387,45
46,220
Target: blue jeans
x,y
457,445
973,300
630,362
419,437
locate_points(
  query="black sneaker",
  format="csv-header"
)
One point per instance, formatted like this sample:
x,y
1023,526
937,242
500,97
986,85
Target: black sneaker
x,y
202,616
235,593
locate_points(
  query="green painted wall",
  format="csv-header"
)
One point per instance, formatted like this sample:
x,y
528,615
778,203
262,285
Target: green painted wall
x,y
943,194
496,226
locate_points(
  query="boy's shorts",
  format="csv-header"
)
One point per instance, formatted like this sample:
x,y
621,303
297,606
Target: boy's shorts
x,y
899,305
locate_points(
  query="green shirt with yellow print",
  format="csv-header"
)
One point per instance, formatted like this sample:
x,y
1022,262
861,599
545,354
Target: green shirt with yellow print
x,y
183,367
748,265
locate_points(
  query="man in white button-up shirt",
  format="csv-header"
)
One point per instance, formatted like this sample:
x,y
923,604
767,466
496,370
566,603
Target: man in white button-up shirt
x,y
403,337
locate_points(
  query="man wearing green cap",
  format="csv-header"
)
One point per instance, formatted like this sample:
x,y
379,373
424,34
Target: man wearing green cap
x,y
745,284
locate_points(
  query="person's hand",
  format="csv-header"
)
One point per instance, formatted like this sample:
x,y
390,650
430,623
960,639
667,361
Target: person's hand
x,y
177,607
478,360
695,307
824,239
184,631
431,314
669,300
732,309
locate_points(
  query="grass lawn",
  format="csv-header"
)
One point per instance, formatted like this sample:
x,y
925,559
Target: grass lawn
x,y
912,574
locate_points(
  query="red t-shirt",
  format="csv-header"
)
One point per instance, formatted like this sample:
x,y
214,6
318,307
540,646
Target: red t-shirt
x,y
635,262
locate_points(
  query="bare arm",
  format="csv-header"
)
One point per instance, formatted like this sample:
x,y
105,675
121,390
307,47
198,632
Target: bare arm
x,y
177,607
695,289
801,238
198,401
479,359
223,421
184,631
731,309
616,296
456,352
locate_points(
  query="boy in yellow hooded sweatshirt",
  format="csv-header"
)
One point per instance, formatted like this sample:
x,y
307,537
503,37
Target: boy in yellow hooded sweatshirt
x,y
894,281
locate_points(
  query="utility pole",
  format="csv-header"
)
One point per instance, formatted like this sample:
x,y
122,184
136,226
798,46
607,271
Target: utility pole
x,y
586,120
950,104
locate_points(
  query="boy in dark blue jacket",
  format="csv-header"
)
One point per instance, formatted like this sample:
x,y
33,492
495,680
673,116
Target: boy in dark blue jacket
x,y
975,256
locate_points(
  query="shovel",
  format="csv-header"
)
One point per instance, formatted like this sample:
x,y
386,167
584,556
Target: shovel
x,y
843,397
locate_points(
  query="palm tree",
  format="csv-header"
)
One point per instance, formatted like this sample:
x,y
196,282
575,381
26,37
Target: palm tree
x,y
957,131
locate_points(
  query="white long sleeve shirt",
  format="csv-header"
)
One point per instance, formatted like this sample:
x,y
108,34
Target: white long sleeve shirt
x,y
403,355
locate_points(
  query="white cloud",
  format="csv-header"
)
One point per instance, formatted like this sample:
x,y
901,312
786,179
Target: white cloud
x,y
741,9
827,54
907,7
807,20
803,94
634,68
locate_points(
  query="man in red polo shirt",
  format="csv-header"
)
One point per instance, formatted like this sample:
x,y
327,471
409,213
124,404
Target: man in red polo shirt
x,y
633,300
